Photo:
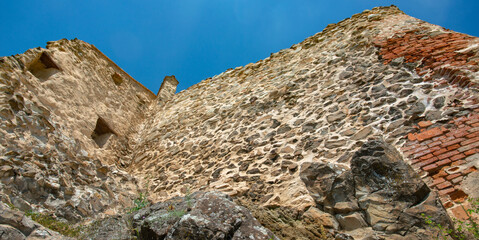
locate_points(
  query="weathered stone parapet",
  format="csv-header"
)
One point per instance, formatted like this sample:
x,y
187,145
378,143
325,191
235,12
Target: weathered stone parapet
x,y
167,89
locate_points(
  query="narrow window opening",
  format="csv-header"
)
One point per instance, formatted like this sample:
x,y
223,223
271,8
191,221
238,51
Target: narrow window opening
x,y
102,133
117,79
43,67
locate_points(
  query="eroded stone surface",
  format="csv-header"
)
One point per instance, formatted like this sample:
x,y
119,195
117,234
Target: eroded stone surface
x,y
14,225
201,215
64,133
380,191
281,134
246,131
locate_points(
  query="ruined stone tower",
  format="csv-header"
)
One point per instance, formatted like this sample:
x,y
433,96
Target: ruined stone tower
x,y
79,136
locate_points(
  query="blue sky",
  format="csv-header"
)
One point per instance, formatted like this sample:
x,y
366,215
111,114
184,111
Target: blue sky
x,y
197,39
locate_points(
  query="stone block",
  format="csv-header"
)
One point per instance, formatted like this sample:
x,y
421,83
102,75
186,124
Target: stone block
x,y
351,221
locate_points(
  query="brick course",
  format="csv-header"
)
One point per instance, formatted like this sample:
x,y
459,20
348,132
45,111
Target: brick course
x,y
443,153
440,55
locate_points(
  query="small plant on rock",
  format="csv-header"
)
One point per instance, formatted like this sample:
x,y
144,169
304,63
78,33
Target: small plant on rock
x,y
141,201
188,197
464,229
54,224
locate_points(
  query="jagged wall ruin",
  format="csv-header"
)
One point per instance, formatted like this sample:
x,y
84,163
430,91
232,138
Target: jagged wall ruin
x,y
67,114
71,117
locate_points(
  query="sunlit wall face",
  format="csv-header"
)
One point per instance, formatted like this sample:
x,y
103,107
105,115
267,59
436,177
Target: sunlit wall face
x,y
193,39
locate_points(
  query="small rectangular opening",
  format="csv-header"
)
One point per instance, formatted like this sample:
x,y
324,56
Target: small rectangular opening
x,y
102,132
43,67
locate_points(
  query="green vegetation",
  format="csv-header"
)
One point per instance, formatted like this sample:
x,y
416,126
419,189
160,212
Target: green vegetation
x,y
141,201
173,213
176,213
188,197
11,206
324,233
464,229
52,223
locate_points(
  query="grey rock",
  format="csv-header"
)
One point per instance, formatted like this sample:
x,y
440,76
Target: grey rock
x,y
363,133
381,185
10,233
439,102
402,131
345,75
210,215
432,115
470,184
394,125
319,179
397,61
387,188
16,225
405,93
309,127
283,129
343,236
335,117
395,113
416,109
411,99
334,144
116,227
378,167
351,221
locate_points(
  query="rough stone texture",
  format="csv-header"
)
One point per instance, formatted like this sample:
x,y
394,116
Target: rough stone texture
x,y
278,133
289,223
14,225
210,215
110,228
66,114
380,191
246,131
201,215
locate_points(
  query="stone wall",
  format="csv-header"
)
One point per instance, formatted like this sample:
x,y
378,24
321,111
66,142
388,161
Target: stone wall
x,y
67,113
444,145
249,130
270,133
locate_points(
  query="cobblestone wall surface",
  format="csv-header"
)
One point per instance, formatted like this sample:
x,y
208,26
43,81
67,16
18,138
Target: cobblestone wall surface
x,y
275,133
378,74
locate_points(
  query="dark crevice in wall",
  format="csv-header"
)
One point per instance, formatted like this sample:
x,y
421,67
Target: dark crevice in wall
x,y
117,79
102,132
43,67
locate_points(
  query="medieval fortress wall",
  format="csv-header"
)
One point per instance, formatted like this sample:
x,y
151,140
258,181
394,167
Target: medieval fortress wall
x,y
67,113
71,119
379,74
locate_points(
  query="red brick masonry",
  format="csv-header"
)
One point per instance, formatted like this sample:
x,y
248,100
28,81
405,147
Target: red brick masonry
x,y
443,153
439,54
